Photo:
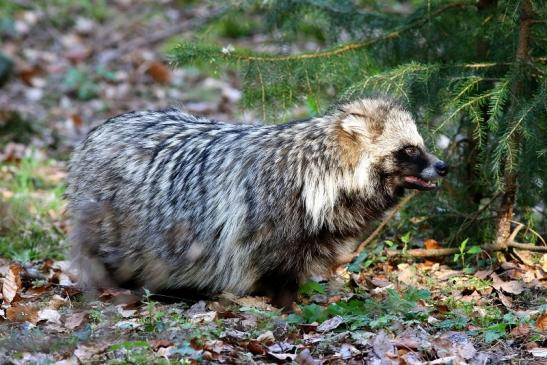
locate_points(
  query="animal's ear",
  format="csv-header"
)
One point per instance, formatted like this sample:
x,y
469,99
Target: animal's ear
x,y
352,123
349,142
363,122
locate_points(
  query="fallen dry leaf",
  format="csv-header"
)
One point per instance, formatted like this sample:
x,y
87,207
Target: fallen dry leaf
x,y
411,358
12,283
235,334
27,74
13,152
505,300
22,313
249,321
266,338
411,339
380,282
454,344
76,120
118,296
49,315
520,330
312,338
203,317
165,352
283,357
305,358
473,297
215,346
157,344
256,348
281,347
541,322
538,352
483,274
383,346
85,353
129,324
76,320
347,351
68,361
125,313
159,72
496,281
407,275
57,302
330,324
59,277
256,302
431,244
513,287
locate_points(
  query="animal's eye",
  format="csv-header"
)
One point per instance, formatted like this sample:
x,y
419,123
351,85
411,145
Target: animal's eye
x,y
411,151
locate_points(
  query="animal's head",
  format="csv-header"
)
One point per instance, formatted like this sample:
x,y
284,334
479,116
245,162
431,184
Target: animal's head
x,y
379,136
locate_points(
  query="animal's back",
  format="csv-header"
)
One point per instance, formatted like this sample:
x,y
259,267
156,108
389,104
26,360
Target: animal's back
x,y
181,201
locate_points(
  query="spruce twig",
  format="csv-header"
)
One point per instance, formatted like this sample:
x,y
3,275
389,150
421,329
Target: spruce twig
x,y
344,48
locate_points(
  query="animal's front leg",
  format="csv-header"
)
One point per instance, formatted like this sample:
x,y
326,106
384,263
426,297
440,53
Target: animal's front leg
x,y
282,287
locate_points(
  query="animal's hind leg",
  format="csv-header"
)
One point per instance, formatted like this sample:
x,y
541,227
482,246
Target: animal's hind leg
x,y
85,237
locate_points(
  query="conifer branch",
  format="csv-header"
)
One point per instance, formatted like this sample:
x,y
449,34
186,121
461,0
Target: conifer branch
x,y
347,47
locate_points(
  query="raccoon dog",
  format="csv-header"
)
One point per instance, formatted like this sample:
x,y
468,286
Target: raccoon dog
x,y
166,200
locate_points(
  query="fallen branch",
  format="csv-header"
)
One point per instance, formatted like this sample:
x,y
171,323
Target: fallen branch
x,y
422,252
510,243
439,252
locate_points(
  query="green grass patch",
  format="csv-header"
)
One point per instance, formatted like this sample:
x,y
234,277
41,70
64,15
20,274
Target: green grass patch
x,y
31,206
370,313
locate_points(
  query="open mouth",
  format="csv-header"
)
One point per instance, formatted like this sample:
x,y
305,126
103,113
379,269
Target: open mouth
x,y
414,182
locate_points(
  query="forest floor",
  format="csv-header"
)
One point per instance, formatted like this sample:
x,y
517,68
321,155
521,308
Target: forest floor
x,y
72,71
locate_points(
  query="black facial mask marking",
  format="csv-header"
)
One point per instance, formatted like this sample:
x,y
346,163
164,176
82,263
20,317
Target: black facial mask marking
x,y
411,165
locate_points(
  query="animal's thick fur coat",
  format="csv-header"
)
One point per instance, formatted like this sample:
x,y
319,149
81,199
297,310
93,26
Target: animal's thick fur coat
x,y
166,200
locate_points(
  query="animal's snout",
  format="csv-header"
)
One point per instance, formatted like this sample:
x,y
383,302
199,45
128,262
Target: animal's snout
x,y
441,167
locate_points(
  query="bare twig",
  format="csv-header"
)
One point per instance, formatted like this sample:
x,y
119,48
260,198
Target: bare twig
x,y
528,228
379,229
516,231
385,221
473,219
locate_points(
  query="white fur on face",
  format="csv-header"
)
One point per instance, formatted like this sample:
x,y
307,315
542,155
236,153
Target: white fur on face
x,y
398,129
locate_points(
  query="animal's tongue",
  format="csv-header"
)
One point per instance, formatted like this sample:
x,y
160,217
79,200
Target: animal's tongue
x,y
417,181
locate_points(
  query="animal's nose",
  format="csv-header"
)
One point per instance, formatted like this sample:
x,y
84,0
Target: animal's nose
x,y
441,167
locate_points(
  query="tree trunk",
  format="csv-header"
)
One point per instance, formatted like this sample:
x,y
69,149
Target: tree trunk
x,y
505,213
475,190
